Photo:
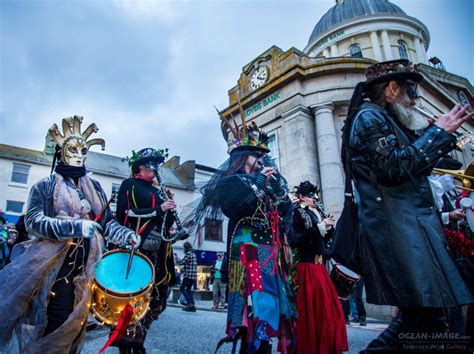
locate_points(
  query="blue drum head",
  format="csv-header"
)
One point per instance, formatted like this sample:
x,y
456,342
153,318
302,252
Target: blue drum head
x,y
111,271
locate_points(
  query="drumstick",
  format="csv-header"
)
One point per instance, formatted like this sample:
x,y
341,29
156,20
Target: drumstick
x,y
130,259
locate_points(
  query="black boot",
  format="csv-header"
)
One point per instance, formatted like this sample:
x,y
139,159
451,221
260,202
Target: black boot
x,y
387,341
363,321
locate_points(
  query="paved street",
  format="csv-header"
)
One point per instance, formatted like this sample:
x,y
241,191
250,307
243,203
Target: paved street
x,y
178,331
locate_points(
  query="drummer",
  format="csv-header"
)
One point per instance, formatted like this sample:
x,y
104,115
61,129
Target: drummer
x,y
320,327
142,208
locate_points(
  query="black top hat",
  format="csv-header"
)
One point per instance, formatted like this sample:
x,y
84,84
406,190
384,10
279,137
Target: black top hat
x,y
393,70
146,155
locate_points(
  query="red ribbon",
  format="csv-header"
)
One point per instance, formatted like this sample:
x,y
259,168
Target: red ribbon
x,y
124,320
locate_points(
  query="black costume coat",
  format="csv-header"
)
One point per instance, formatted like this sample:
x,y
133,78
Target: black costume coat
x,y
404,253
306,237
144,199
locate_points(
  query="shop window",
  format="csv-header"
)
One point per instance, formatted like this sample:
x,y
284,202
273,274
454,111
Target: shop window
x,y
20,173
213,230
355,51
402,50
14,206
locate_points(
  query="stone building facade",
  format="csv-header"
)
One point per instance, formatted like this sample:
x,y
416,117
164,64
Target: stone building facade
x,y
301,98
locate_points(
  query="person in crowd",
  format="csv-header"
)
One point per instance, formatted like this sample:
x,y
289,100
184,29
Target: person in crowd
x,y
360,313
46,289
391,150
143,207
7,239
218,286
320,327
253,197
189,270
447,199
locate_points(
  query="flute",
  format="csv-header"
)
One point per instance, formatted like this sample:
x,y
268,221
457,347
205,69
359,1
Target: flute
x,y
425,113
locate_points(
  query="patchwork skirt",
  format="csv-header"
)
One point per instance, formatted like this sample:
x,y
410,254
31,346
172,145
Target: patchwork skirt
x,y
260,300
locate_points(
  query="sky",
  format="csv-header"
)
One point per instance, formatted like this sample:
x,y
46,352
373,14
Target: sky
x,y
149,72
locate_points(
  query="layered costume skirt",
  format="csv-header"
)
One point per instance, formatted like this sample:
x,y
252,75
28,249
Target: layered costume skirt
x,y
259,298
320,327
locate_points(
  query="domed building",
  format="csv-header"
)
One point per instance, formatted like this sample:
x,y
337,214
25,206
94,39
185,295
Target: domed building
x,y
301,97
375,29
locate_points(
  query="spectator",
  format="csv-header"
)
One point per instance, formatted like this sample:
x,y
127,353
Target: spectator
x,y
189,270
218,286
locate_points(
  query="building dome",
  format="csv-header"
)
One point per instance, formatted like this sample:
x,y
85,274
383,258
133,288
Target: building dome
x,y
346,10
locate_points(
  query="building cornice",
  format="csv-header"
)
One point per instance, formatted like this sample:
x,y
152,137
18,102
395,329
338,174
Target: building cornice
x,y
302,68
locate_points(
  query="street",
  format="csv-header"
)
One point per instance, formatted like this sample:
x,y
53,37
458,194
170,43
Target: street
x,y
178,331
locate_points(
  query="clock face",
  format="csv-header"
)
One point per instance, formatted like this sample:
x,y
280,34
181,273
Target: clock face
x,y
259,77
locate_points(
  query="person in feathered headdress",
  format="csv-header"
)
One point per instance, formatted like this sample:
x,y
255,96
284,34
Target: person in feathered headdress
x,y
252,195
46,289
320,327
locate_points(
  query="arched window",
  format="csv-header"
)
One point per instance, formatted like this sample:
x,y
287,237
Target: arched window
x,y
403,50
355,51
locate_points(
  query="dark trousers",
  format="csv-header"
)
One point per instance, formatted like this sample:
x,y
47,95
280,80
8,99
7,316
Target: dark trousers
x,y
357,296
185,289
61,304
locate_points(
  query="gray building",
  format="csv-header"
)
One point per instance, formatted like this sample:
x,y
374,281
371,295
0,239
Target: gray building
x,y
300,97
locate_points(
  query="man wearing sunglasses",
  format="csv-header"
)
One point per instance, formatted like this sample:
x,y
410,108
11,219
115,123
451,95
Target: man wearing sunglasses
x,y
389,151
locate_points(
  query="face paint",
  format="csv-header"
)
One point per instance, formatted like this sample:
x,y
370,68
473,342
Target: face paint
x,y
74,152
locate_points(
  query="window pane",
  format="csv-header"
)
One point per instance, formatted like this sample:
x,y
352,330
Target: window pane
x,y
213,230
14,206
20,173
402,49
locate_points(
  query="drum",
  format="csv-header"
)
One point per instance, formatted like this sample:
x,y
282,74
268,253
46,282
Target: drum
x,y
111,292
344,280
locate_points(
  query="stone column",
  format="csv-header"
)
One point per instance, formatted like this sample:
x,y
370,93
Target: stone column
x,y
419,51
297,146
326,53
334,51
419,57
424,56
376,46
387,50
330,167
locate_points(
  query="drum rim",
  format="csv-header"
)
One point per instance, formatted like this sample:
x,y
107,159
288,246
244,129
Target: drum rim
x,y
126,294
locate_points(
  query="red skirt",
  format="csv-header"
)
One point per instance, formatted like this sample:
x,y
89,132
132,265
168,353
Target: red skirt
x,y
320,327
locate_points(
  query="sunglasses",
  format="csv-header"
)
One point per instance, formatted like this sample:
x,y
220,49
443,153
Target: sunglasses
x,y
411,88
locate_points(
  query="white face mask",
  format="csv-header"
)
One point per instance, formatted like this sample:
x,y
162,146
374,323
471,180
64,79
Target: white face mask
x,y
74,152
410,118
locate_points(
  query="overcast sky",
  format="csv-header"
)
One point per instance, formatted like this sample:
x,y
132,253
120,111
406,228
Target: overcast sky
x,y
148,73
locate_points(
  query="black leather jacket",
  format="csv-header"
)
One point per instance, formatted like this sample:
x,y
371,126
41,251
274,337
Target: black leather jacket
x,y
404,251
